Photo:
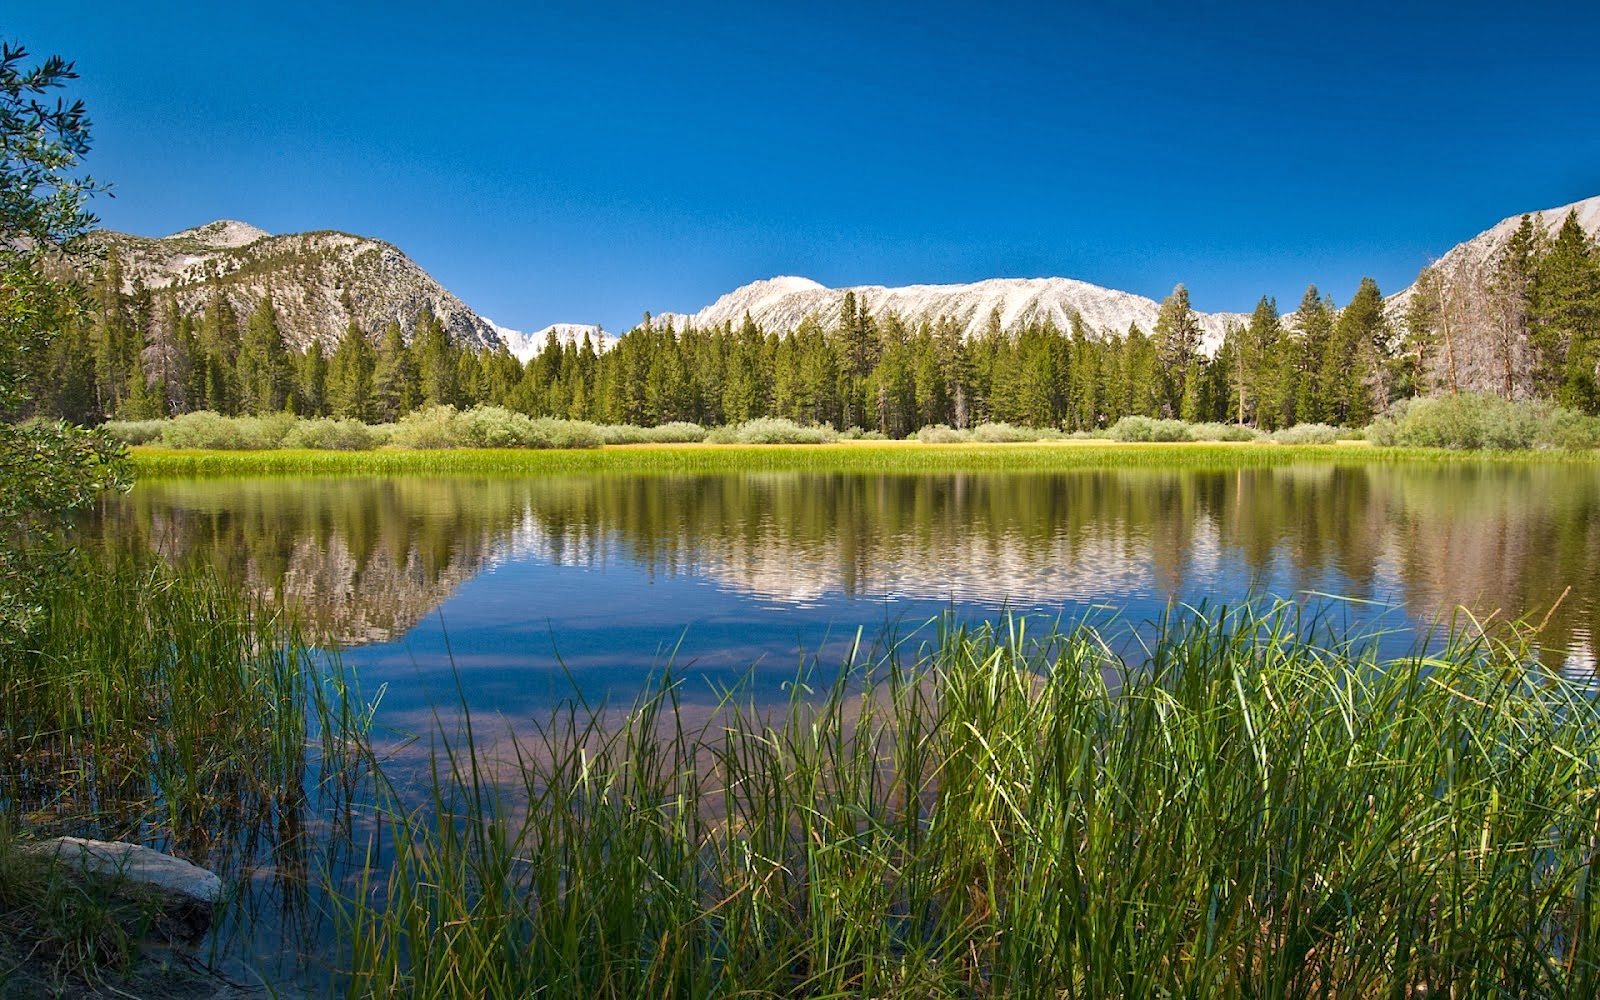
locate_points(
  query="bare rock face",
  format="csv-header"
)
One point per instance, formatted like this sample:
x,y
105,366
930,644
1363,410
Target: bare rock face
x,y
186,892
319,282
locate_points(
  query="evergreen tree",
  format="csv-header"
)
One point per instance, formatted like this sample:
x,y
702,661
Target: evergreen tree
x,y
116,339
395,388
438,373
311,391
1566,318
1353,377
263,366
1177,344
1313,333
1423,321
1267,399
1511,296
350,376
219,347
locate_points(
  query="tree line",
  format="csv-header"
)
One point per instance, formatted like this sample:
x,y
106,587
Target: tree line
x,y
1525,323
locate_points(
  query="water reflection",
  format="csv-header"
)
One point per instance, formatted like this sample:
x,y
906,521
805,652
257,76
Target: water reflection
x,y
366,559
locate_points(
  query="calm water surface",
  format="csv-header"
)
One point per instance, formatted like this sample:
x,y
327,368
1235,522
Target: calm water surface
x,y
523,587
519,584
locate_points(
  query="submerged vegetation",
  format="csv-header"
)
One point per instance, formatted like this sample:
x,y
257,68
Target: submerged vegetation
x,y
1251,805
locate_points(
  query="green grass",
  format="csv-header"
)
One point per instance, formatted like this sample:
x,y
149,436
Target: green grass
x,y
162,707
1250,806
910,457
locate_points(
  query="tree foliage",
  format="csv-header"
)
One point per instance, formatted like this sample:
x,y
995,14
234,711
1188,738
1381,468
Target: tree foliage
x,y
46,469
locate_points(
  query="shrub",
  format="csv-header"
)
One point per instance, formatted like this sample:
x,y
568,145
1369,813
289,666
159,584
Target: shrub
x,y
1004,433
205,429
1482,420
941,434
333,434
434,427
1573,431
676,432
135,431
623,434
1141,429
1221,432
1306,434
772,430
549,432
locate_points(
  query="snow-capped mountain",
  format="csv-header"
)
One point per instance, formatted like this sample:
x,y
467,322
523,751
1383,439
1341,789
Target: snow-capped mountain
x,y
526,346
781,304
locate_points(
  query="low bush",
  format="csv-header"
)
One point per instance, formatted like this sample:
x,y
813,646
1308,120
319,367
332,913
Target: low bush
x,y
1476,420
549,432
1004,433
772,430
1221,432
135,431
333,434
1306,434
213,431
434,427
676,432
942,434
1133,429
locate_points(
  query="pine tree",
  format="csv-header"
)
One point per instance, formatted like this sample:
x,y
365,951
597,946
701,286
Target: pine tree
x,y
1313,332
311,395
438,373
350,376
1352,376
263,368
116,339
1566,318
219,347
1261,355
1177,344
395,388
1511,298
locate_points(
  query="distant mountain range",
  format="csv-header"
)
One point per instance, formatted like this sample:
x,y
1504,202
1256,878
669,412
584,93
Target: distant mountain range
x,y
319,281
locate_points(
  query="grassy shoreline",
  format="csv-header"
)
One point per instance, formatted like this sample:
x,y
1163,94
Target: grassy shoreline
x,y
1254,805
850,456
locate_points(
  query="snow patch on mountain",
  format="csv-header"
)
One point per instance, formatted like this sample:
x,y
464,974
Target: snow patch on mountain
x,y
781,304
526,346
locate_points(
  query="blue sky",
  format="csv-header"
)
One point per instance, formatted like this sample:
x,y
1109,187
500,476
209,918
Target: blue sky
x,y
583,162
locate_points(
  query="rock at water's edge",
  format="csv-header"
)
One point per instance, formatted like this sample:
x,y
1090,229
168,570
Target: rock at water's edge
x,y
185,890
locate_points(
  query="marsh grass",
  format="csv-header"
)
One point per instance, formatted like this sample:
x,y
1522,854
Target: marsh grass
x,y
1247,805
864,456
164,707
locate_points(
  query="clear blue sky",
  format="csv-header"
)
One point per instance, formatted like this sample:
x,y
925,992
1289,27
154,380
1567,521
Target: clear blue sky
x,y
583,162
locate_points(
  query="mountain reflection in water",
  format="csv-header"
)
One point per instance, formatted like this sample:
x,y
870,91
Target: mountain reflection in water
x,y
366,559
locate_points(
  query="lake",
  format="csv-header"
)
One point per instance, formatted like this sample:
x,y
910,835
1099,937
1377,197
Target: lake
x,y
526,590
525,587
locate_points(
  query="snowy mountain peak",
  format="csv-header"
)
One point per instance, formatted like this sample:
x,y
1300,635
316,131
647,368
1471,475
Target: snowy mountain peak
x,y
781,304
526,346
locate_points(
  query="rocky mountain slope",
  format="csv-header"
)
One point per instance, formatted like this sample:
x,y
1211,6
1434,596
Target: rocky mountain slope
x,y
318,281
783,303
1475,257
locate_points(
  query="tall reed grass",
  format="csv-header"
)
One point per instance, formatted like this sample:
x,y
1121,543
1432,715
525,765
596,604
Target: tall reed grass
x,y
1248,805
166,707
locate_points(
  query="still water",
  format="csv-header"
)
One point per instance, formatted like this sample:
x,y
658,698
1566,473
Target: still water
x,y
523,587
510,593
